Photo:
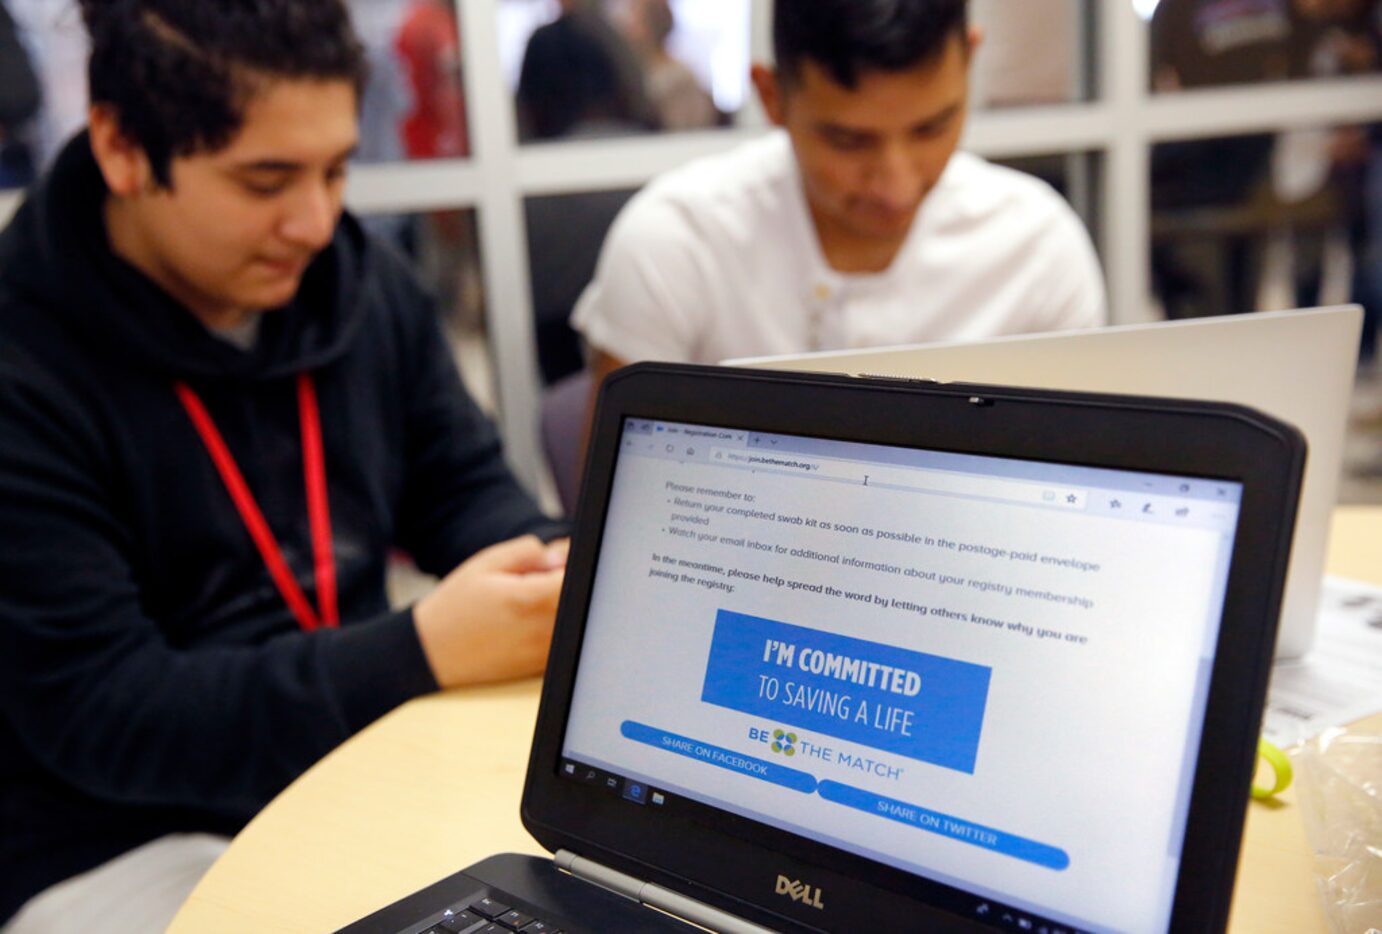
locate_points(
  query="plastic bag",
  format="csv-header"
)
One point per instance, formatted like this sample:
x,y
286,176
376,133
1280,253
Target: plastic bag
x,y
1339,789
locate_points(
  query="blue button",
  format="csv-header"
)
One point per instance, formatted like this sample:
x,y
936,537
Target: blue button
x,y
636,791
794,779
954,828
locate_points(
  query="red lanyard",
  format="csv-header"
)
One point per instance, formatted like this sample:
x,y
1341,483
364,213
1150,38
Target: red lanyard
x,y
318,509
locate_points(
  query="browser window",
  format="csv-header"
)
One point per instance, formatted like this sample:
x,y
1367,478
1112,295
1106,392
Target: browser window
x,y
983,671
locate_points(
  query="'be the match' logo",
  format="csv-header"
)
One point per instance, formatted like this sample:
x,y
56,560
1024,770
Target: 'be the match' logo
x,y
784,742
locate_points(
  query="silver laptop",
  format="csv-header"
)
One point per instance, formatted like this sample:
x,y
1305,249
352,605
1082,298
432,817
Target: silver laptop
x,y
1295,365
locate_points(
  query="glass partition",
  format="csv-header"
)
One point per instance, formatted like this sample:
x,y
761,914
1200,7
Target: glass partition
x,y
444,249
49,45
1263,221
1031,52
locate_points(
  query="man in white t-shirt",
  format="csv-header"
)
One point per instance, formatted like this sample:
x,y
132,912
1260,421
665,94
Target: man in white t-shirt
x,y
856,224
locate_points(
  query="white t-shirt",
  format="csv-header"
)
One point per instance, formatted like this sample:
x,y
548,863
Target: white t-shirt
x,y
720,259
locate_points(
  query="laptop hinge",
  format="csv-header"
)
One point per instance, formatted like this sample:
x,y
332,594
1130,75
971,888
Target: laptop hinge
x,y
654,896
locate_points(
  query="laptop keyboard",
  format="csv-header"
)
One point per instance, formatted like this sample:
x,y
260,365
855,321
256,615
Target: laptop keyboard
x,y
490,914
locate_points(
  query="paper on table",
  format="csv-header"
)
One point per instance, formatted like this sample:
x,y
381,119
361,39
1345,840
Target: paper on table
x,y
1340,680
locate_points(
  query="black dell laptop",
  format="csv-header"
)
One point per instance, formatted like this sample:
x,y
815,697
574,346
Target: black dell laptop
x,y
840,654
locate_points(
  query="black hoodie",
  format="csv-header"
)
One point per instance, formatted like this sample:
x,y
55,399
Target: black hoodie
x,y
152,678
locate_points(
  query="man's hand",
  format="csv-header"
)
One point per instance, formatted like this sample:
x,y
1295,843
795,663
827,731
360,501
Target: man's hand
x,y
491,618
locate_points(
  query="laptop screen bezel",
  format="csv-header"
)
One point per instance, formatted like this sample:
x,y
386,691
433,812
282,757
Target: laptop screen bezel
x,y
1203,440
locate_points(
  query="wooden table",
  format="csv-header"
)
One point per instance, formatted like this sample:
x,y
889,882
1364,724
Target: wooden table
x,y
435,786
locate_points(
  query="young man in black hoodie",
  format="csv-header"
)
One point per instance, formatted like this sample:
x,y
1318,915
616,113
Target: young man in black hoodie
x,y
221,405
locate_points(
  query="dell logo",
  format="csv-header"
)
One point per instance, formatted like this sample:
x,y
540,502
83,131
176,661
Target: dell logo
x,y
799,892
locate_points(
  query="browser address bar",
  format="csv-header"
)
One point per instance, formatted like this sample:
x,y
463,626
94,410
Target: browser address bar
x,y
922,481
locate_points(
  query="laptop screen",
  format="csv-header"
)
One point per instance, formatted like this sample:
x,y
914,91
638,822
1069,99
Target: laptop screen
x,y
987,672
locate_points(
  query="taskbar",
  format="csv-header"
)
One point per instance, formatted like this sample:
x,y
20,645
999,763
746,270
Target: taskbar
x,y
984,911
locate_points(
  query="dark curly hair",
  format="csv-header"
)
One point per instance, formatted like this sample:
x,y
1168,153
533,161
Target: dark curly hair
x,y
850,37
180,73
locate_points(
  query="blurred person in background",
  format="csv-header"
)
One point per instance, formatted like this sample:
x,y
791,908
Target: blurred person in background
x,y
580,77
855,224
1198,271
428,49
677,96
428,46
1344,37
222,405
